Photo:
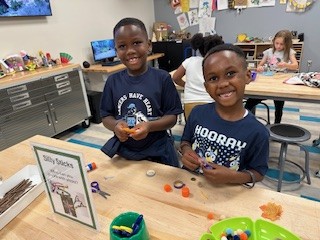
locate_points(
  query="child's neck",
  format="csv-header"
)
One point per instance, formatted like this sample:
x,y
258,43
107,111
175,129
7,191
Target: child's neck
x,y
229,114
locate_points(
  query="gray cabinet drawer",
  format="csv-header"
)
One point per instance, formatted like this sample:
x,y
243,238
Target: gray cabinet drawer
x,y
71,77
22,88
64,91
26,123
5,109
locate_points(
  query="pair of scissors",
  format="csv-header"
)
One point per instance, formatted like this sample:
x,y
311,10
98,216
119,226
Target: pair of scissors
x,y
96,189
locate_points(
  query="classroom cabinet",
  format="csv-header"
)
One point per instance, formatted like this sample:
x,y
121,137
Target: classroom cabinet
x,y
46,106
254,51
174,53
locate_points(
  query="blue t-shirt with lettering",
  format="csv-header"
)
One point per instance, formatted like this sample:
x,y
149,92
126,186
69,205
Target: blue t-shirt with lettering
x,y
238,145
140,98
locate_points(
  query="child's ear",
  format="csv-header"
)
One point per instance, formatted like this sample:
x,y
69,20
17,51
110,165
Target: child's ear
x,y
248,76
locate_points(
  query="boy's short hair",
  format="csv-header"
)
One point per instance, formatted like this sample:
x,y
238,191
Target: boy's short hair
x,y
227,47
130,21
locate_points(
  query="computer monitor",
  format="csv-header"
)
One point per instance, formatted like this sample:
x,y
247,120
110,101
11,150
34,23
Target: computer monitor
x,y
103,50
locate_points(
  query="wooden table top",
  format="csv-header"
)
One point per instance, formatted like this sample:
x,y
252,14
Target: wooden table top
x,y
272,87
98,68
167,215
27,76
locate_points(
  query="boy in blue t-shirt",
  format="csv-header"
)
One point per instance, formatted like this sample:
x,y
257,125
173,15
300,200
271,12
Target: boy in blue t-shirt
x,y
222,138
140,103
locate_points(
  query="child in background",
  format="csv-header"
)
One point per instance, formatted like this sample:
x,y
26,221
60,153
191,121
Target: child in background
x,y
223,138
139,104
281,57
194,91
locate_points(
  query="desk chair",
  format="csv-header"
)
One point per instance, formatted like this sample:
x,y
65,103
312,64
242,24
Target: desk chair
x,y
287,134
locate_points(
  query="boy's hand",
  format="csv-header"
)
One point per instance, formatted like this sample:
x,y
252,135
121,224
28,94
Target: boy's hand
x,y
190,159
218,174
141,131
120,131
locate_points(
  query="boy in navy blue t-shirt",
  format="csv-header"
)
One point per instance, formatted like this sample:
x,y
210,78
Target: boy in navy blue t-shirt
x,y
222,138
140,103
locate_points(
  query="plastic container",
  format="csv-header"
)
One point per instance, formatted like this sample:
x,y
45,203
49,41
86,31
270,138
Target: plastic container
x,y
127,219
260,229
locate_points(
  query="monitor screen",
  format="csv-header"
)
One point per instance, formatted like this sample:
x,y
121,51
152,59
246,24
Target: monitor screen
x,y
25,8
103,49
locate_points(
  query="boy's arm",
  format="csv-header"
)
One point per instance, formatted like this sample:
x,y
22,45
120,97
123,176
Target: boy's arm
x,y
189,157
164,123
117,126
110,122
223,175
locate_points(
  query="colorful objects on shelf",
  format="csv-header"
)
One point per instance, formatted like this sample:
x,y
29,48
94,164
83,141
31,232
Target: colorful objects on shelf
x,y
65,57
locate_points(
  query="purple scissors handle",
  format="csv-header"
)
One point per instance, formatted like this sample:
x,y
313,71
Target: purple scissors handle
x,y
96,189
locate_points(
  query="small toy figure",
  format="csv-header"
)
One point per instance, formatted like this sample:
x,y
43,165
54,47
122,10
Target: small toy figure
x,y
44,59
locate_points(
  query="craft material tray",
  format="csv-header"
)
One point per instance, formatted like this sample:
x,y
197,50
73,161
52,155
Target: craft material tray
x,y
260,229
28,172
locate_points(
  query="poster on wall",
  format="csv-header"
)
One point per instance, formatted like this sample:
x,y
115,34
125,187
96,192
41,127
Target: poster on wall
x,y
207,25
66,184
194,3
222,4
205,8
184,5
296,5
183,21
240,4
264,3
193,17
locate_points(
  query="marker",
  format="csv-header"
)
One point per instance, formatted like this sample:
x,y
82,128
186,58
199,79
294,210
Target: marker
x,y
136,225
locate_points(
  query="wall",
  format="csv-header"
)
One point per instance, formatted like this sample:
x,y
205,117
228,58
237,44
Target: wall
x,y
259,22
73,24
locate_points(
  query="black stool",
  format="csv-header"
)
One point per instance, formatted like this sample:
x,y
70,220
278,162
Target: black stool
x,y
258,117
290,134
268,113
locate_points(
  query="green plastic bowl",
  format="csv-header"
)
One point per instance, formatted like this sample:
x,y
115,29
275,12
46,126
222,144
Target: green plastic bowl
x,y
268,231
127,219
243,223
207,236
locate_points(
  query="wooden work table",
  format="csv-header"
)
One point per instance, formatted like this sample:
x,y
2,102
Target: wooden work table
x,y
167,215
272,87
97,75
110,69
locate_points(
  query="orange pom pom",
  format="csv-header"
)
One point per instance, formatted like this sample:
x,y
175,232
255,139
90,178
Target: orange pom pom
x,y
167,188
129,130
185,192
210,215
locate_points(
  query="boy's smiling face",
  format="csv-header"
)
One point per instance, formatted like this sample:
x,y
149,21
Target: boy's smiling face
x,y
132,47
226,76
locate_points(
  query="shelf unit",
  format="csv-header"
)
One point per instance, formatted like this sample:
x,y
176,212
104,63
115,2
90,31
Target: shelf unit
x,y
254,52
45,102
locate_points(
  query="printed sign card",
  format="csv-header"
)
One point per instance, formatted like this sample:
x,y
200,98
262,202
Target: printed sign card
x,y
67,187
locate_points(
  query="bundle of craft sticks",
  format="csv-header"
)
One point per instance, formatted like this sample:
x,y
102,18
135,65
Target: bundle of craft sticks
x,y
15,194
